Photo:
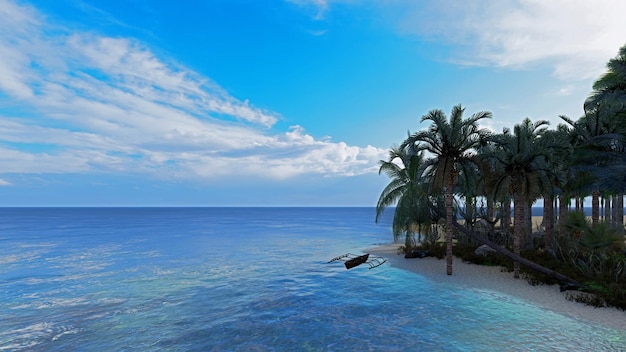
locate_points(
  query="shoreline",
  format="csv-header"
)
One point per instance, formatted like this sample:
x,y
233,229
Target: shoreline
x,y
494,279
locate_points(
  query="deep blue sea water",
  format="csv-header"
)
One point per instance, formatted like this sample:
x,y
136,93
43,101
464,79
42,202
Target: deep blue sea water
x,y
243,279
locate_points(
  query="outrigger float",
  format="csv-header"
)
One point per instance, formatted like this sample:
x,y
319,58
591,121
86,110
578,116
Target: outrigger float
x,y
351,260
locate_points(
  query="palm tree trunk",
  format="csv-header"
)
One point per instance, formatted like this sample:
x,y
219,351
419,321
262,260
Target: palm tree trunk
x,y
449,219
548,222
620,214
518,227
505,222
618,211
563,207
614,209
491,211
595,206
469,212
556,210
528,225
607,209
602,209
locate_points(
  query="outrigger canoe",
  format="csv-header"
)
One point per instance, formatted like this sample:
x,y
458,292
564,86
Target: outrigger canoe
x,y
351,260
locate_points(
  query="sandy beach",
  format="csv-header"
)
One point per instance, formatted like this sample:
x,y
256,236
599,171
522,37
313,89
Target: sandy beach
x,y
493,279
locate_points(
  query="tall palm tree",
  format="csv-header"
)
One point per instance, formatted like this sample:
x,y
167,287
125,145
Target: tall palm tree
x,y
524,162
451,145
469,186
608,99
605,113
489,174
607,165
557,142
577,179
407,191
593,135
609,91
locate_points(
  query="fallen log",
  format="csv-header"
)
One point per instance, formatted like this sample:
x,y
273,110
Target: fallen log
x,y
566,282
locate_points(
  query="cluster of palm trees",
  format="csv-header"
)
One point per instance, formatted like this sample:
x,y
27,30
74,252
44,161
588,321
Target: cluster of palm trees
x,y
455,161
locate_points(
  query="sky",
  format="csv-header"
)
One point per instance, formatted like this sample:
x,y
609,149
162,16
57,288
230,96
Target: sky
x,y
269,103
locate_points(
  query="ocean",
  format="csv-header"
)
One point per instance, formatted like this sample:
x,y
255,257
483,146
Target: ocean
x,y
244,279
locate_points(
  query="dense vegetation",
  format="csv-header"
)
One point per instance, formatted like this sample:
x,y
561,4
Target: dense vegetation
x,y
455,170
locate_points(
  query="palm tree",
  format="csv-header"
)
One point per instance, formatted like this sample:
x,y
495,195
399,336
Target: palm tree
x,y
489,172
557,141
524,162
593,136
451,145
407,191
609,171
577,179
609,91
608,100
469,186
596,131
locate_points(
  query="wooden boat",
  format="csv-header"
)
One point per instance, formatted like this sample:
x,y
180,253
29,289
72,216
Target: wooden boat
x,y
351,263
351,260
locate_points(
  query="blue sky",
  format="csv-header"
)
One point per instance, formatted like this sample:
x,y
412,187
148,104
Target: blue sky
x,y
268,103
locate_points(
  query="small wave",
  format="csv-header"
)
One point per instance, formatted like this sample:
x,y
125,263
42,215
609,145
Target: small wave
x,y
163,272
62,302
20,258
36,245
65,331
33,335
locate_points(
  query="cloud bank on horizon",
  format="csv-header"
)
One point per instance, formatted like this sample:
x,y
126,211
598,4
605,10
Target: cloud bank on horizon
x,y
77,101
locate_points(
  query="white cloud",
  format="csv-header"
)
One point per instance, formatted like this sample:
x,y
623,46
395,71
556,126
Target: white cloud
x,y
4,183
319,6
102,104
565,91
293,154
576,38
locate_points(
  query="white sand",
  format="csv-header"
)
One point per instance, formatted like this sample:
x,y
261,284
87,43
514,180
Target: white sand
x,y
493,279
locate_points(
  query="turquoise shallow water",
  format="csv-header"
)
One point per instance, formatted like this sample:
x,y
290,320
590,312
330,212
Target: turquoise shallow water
x,y
243,279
